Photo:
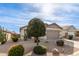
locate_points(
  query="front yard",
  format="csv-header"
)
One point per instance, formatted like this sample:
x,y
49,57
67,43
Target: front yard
x,y
68,49
28,45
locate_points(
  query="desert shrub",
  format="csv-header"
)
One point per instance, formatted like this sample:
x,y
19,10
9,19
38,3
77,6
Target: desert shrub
x,y
39,50
70,37
17,50
60,43
3,42
14,38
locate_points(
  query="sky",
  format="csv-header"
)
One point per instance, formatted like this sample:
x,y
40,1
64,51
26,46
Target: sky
x,y
15,15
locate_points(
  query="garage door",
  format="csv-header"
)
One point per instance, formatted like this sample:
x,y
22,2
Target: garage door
x,y
52,34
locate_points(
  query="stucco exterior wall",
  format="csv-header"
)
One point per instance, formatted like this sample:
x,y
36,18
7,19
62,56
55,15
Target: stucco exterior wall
x,y
8,36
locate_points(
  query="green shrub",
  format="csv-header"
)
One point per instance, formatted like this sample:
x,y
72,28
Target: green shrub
x,y
60,43
70,37
14,38
17,50
39,50
3,42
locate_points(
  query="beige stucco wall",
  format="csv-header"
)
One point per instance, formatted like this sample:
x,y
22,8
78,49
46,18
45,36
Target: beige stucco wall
x,y
8,36
52,34
22,33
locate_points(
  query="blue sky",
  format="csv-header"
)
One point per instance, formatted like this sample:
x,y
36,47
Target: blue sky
x,y
13,16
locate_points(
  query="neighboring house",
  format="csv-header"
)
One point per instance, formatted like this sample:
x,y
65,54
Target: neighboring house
x,y
52,31
69,30
9,34
77,33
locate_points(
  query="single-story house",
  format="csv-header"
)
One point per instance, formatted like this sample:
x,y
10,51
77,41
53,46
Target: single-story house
x,y
52,31
8,34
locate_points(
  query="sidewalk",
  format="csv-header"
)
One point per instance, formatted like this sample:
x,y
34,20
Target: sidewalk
x,y
29,54
72,43
75,44
3,54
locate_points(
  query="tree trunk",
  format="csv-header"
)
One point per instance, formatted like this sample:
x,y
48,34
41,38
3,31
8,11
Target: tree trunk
x,y
37,41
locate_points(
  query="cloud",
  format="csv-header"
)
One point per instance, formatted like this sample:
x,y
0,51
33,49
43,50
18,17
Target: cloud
x,y
48,12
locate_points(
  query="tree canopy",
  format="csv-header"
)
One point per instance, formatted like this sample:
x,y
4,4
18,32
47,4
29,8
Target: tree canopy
x,y
2,35
36,28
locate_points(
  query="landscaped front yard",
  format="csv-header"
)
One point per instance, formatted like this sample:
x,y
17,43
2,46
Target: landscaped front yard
x,y
67,49
28,45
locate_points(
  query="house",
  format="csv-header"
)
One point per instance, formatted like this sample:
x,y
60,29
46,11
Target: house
x,y
77,33
52,31
69,30
8,34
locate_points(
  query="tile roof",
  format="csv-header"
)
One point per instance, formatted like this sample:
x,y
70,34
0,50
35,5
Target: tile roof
x,y
54,25
67,27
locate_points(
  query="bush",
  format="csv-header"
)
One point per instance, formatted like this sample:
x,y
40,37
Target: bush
x,y
17,50
70,37
39,50
60,43
3,42
14,38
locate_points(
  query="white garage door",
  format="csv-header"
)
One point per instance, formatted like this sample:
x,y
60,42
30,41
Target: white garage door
x,y
52,34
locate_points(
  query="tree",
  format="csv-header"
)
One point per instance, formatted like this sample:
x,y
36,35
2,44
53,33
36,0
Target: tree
x,y
36,28
2,35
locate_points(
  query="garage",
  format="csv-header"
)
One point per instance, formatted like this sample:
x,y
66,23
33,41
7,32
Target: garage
x,y
52,34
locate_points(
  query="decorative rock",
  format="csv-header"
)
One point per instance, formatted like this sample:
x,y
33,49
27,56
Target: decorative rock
x,y
62,50
55,52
